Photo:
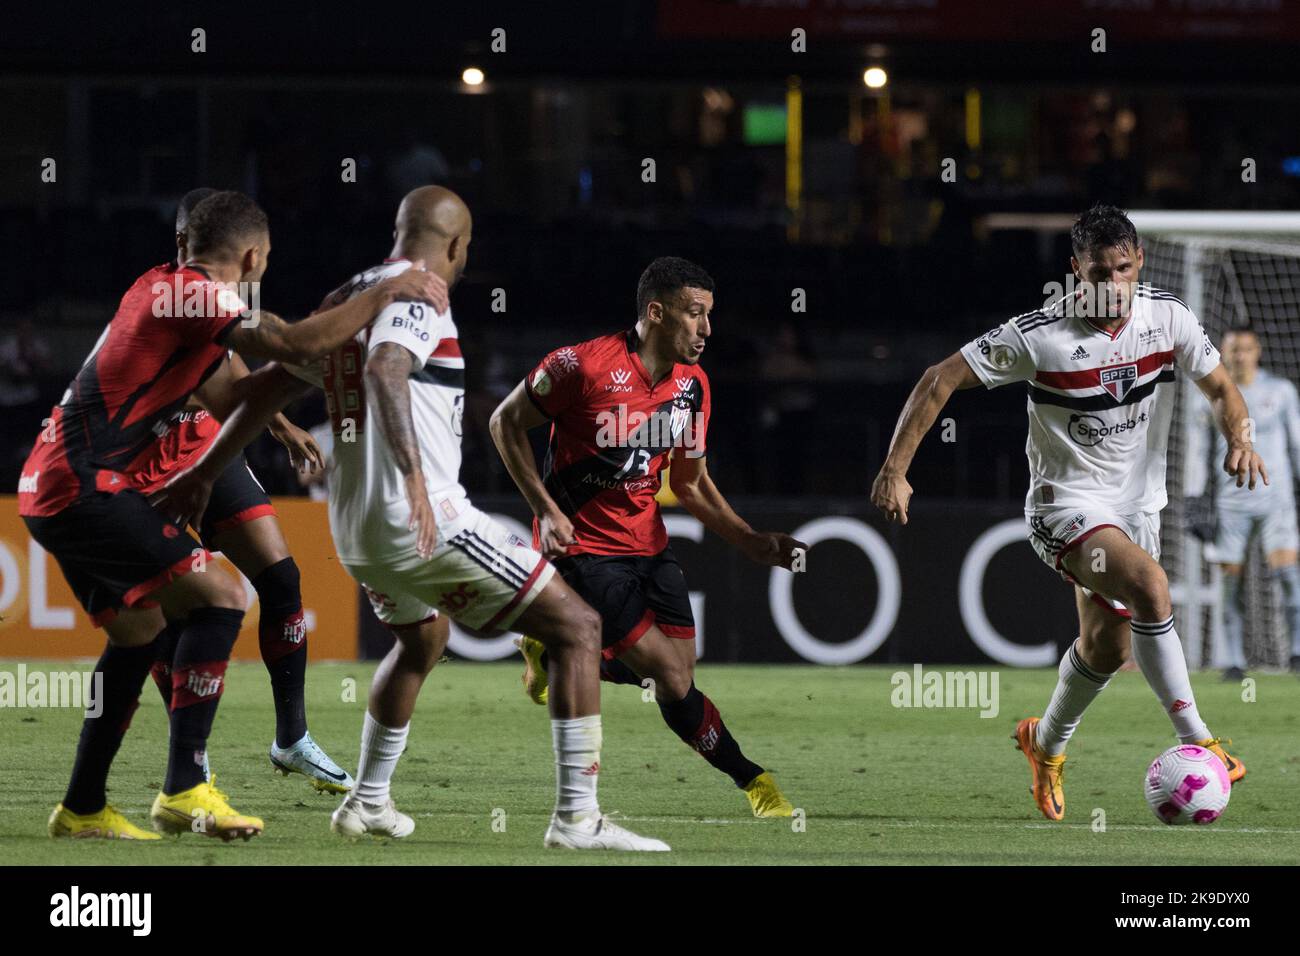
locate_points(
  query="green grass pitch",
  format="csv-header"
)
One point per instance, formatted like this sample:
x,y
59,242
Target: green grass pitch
x,y
878,784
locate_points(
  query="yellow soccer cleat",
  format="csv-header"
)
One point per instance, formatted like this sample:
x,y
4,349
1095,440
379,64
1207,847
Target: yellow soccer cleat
x,y
535,684
105,824
766,798
1236,769
1048,773
202,809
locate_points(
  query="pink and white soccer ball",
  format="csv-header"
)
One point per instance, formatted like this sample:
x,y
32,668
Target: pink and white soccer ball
x,y
1188,784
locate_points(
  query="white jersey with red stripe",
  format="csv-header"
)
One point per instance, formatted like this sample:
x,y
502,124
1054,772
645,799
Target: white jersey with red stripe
x,y
1100,403
369,515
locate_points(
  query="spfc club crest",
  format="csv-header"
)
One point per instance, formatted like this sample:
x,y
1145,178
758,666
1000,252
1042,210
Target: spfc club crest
x,y
1119,380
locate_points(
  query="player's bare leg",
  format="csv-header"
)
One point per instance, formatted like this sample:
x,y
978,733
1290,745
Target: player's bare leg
x,y
1084,672
393,693
1132,577
211,603
119,677
570,631
670,663
259,550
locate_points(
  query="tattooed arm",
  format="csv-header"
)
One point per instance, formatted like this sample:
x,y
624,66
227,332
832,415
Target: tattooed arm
x,y
387,376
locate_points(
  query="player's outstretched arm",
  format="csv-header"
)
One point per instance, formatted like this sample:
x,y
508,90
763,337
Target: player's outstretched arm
x,y
268,336
690,481
388,379
304,453
890,492
1233,419
509,425
225,389
264,392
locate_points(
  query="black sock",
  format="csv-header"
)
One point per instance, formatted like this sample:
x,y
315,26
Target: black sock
x,y
616,672
164,652
198,680
698,723
282,637
120,676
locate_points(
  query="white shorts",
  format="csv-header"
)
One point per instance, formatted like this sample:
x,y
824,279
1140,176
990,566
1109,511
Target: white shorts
x,y
1277,531
482,576
1056,531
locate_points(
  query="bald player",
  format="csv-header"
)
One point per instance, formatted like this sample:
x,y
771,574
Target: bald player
x,y
132,571
406,531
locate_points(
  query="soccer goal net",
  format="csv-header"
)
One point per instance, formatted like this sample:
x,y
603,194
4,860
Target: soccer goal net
x,y
1232,269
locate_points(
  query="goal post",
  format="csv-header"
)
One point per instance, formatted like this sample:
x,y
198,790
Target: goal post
x,y
1233,269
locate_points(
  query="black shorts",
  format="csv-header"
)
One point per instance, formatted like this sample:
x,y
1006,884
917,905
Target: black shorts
x,y
237,497
116,550
631,593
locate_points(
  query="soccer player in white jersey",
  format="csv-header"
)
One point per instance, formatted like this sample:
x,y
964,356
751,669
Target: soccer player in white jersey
x,y
1100,366
405,530
1270,512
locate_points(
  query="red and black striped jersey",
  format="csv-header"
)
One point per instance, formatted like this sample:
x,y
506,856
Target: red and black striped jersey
x,y
612,433
161,344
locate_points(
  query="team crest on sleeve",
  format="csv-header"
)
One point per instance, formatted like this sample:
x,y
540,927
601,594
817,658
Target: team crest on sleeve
x,y
542,382
562,362
1118,380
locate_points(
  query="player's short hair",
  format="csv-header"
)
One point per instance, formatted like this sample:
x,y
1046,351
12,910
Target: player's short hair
x,y
222,222
187,204
1241,330
667,275
1103,227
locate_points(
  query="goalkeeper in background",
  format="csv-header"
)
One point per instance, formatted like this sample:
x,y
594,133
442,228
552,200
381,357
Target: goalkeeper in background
x,y
1270,510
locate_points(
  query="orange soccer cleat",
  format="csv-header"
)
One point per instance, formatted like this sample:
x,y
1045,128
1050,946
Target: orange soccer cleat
x,y
1048,772
1236,769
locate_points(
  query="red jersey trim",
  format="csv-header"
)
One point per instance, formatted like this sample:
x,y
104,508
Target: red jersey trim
x,y
181,568
634,635
1091,377
244,517
519,596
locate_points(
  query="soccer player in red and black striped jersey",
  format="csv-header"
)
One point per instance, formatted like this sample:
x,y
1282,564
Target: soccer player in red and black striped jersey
x,y
621,408
129,567
240,522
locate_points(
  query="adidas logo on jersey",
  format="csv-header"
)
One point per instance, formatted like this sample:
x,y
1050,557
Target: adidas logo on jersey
x,y
1079,354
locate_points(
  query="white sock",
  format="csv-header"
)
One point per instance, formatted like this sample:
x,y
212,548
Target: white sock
x,y
1159,654
1078,685
380,748
577,766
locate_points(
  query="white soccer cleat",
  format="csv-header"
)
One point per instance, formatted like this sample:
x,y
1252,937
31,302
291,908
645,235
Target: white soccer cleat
x,y
354,818
306,757
598,832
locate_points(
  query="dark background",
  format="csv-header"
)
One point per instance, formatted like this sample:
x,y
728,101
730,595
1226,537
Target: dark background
x,y
897,266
